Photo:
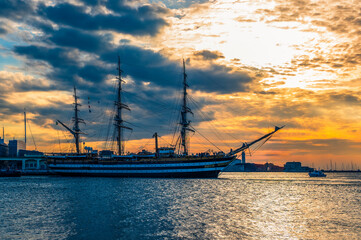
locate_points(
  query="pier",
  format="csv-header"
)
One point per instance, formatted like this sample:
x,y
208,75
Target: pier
x,y
29,165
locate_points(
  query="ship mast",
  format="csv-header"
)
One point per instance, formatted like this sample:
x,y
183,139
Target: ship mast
x,y
118,120
76,130
76,121
185,109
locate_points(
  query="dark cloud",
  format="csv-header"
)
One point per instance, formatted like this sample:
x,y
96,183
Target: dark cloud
x,y
183,4
3,30
5,27
93,73
54,56
15,9
357,21
13,82
150,66
267,92
142,65
42,24
31,85
66,67
219,79
144,11
209,55
348,98
8,110
132,21
78,39
92,2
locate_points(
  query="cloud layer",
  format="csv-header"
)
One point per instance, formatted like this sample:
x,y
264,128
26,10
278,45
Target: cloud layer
x,y
249,66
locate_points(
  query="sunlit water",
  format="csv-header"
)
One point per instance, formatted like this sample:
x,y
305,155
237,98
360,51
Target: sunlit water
x,y
235,206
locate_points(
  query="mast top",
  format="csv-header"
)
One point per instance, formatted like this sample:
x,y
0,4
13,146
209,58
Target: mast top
x,y
76,130
185,109
118,120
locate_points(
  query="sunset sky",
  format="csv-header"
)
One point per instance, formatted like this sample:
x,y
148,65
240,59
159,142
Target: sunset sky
x,y
251,65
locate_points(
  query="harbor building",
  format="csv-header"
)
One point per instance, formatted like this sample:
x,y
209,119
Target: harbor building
x,y
4,148
296,167
240,165
15,146
29,153
28,164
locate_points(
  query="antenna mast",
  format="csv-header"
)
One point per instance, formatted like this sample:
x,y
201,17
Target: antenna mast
x,y
118,118
25,126
184,122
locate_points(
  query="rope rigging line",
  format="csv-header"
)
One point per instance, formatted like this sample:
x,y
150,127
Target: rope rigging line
x,y
67,141
234,110
140,148
204,118
147,99
217,132
59,140
32,136
205,146
176,114
207,139
165,140
174,120
111,117
261,144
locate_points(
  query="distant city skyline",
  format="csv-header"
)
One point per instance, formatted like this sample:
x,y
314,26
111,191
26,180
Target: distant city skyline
x,y
250,64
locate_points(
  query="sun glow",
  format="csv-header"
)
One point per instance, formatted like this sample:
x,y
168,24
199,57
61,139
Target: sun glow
x,y
293,63
238,34
40,98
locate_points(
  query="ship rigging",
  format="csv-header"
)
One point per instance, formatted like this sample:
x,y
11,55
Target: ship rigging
x,y
77,120
163,163
118,120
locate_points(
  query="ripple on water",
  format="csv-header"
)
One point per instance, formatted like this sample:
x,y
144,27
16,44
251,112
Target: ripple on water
x,y
235,206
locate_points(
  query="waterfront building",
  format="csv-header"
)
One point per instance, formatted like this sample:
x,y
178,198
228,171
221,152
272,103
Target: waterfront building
x,y
28,164
243,157
238,166
27,153
4,148
15,146
296,167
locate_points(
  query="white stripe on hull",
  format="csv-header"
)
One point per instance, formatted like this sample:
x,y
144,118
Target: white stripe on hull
x,y
93,171
150,165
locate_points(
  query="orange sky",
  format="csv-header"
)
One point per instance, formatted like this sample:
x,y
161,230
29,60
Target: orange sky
x,y
303,59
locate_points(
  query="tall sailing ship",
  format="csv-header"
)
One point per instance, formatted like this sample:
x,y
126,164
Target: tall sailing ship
x,y
164,162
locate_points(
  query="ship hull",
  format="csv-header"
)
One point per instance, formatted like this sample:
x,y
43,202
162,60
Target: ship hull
x,y
182,169
206,174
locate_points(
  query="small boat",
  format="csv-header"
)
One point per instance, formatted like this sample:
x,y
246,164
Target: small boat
x,y
10,173
317,173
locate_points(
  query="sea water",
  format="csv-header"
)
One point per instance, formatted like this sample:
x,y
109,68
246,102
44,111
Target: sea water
x,y
234,206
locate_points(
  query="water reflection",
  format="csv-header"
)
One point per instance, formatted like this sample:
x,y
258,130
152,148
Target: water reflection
x,y
235,206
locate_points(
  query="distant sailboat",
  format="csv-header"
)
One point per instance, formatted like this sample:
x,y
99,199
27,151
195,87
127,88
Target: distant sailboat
x,y
164,162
